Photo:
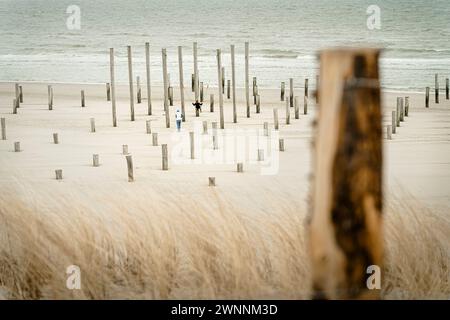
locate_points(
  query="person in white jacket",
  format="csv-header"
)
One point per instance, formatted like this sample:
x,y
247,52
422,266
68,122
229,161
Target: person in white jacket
x,y
178,118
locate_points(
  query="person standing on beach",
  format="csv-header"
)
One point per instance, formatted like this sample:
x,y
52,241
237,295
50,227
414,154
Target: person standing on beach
x,y
178,118
197,105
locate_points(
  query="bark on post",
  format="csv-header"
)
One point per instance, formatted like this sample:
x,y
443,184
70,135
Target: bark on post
x,y
147,72
233,83
130,79
113,86
247,90
345,230
165,157
219,73
275,119
130,168
3,125
181,76
166,89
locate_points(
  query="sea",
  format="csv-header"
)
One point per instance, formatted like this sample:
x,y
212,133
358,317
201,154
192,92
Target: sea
x,y
69,40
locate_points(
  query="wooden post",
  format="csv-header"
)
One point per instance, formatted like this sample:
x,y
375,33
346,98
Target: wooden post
x,y
211,181
130,168
170,96
21,94
14,106
260,154
125,149
291,92
219,73
266,128
258,104
275,118
205,127
55,138
288,111
138,88
394,122
108,92
58,174
282,91
192,144
113,86
92,124
165,157
148,127
228,89
166,90
427,97
436,86
406,106
389,132
247,91
147,72
211,102
83,99
181,76
317,88
254,90
306,88
3,125
305,105
201,91
281,144
50,97
196,77
345,227
155,138
17,146
130,78
240,167
197,112
398,112
17,95
233,83
223,79
193,82
215,138
95,161
296,108
401,108
447,85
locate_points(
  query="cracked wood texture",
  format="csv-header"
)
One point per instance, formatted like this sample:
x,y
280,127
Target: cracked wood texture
x,y
346,222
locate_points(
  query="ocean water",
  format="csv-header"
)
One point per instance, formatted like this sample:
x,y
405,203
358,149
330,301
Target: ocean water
x,y
285,37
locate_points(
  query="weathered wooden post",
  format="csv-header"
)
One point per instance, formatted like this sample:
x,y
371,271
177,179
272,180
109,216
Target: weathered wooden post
x,y
317,88
147,72
447,85
17,95
215,137
148,127
201,91
240,167
389,132
193,82
165,157
288,112
291,92
306,88
254,90
58,174
305,105
436,86
130,78
92,124
170,96
400,108
282,91
258,104
398,112
181,76
281,144
20,94
125,149
196,77
83,99
55,138
346,240
3,125
130,168
219,73
17,146
394,121
266,128
192,144
406,106
95,161
228,89
247,90
260,154
50,97
139,90
296,108
205,127
113,86
233,83
275,119
211,181
108,92
166,89
211,102
14,106
155,139
223,79
427,97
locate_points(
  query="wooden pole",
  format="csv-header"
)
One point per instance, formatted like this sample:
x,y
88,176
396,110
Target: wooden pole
x,y
201,91
138,88
55,138
400,108
205,127
306,87
447,85
282,91
240,167
215,138
288,112
113,86
317,88
398,112
436,86
192,144
155,139
223,80
394,122
20,94
427,97
266,128
83,99
170,96
130,78
211,102
92,124
219,73
275,119
3,125
281,145
258,103
50,97
228,89
181,76
211,181
14,107
147,72
345,227
305,105
196,77
247,91
95,161
291,92
125,149
148,127
108,92
406,106
130,168
17,95
193,82
165,157
233,83
296,108
389,132
58,174
254,90
166,103
260,154
17,146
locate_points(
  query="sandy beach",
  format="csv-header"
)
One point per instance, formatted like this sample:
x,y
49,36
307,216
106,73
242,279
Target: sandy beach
x,y
159,215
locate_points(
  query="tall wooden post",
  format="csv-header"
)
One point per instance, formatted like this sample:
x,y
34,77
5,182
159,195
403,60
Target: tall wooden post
x,y
20,94
282,91
288,112
138,89
306,88
247,90
219,74
165,157
147,71
113,86
296,108
50,97
195,71
291,92
201,91
130,168
223,80
192,144
181,76
447,85
3,125
346,239
166,88
108,91
394,121
275,119
211,102
436,88
427,97
83,99
233,83
130,79
17,94
228,89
